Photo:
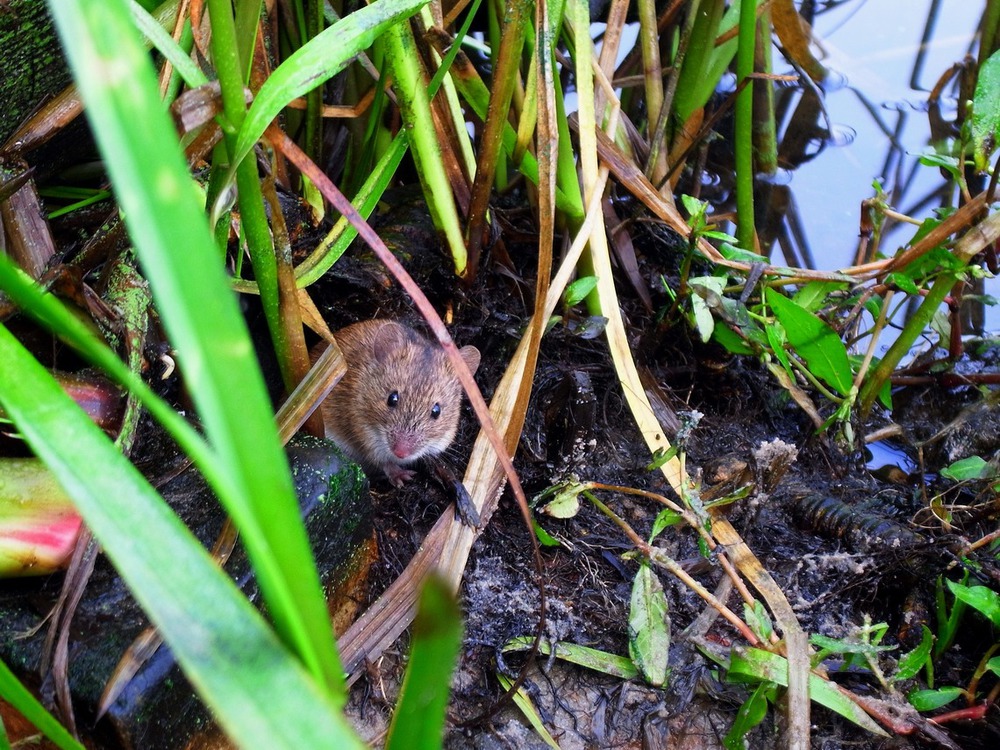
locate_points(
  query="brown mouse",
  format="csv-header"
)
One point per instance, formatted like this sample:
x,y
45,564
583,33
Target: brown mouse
x,y
399,400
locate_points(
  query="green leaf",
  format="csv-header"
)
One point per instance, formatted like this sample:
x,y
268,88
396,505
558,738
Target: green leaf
x,y
929,700
751,713
418,722
544,537
660,457
814,295
973,467
664,519
260,694
724,336
911,663
28,706
584,656
904,281
759,620
815,341
776,339
846,646
947,162
755,665
980,598
993,665
577,291
523,701
986,112
732,252
565,501
706,291
649,626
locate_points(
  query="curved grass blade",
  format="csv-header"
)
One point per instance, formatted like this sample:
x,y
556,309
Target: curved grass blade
x,y
259,692
173,242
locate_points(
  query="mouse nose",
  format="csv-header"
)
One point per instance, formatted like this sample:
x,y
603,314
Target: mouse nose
x,y
404,445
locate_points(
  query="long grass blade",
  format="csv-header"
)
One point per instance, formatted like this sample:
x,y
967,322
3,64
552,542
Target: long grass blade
x,y
172,239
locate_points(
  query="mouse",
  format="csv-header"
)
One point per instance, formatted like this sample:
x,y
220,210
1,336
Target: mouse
x,y
399,400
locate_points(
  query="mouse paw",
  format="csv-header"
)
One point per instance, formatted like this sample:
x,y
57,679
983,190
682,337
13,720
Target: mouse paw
x,y
398,475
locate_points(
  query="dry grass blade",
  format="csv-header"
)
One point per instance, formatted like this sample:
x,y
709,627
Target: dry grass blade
x,y
593,179
794,34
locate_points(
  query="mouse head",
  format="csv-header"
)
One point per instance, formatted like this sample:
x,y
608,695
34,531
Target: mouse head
x,y
417,396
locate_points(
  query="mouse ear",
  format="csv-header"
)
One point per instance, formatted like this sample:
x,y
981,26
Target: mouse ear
x,y
471,356
388,338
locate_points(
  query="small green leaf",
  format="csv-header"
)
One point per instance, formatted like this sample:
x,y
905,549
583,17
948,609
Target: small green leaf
x,y
751,713
584,656
943,161
661,456
993,665
724,336
814,295
928,700
705,294
544,538
565,502
523,701
696,210
649,627
664,519
904,282
973,467
814,340
845,646
981,598
986,112
910,664
577,291
776,339
759,620
732,252
716,235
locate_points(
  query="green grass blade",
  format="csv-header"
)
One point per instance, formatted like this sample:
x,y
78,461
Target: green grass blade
x,y
18,696
257,690
48,310
315,62
418,723
173,241
166,46
415,104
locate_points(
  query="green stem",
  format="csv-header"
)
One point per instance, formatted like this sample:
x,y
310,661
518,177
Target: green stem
x,y
901,346
743,141
253,219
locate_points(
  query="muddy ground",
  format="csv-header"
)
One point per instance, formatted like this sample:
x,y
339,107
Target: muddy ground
x,y
846,535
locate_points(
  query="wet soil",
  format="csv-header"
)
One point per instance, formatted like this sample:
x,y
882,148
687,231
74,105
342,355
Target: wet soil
x,y
847,540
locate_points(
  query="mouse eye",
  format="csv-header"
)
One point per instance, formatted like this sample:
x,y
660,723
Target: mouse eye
x,y
435,411
393,401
